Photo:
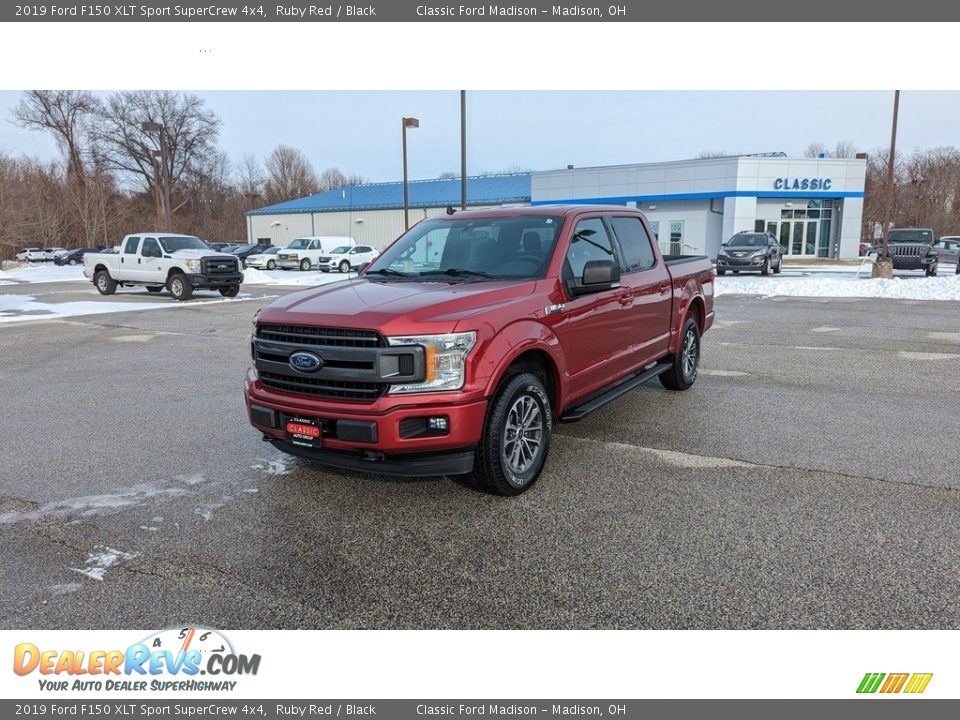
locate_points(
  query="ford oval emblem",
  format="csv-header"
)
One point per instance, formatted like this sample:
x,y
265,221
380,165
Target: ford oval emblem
x,y
305,362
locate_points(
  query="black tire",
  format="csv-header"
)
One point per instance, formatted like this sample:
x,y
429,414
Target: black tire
x,y
345,267
721,272
271,265
72,261
153,288
736,272
765,269
682,374
499,469
105,284
779,267
932,270
957,271
180,287
231,291
325,269
305,264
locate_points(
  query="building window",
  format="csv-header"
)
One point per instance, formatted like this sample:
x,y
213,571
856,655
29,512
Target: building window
x,y
758,226
655,226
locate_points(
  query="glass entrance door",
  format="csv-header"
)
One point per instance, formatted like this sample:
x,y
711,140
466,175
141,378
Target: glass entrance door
x,y
799,237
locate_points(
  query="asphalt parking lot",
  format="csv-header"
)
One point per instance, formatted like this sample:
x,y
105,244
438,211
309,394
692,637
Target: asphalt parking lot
x,y
808,480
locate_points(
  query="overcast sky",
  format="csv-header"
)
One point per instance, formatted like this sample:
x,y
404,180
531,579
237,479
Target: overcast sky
x,y
359,132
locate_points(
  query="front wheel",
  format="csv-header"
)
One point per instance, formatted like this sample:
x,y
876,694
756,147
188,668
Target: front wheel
x,y
271,265
180,287
516,437
344,267
685,363
231,291
721,272
765,270
71,261
106,285
958,267
932,271
305,264
779,267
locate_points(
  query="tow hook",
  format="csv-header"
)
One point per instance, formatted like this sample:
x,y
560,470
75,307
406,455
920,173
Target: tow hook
x,y
373,456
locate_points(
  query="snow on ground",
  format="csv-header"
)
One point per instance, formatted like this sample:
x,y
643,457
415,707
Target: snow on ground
x,y
251,276
943,287
20,308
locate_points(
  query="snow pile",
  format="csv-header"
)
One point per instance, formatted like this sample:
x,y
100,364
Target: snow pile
x,y
305,278
47,272
20,308
944,287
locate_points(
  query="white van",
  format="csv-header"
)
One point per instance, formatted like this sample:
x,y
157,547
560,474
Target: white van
x,y
305,252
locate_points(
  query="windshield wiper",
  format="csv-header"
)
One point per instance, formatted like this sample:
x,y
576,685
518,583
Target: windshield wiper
x,y
387,271
460,272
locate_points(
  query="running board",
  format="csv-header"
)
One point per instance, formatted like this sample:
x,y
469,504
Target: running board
x,y
621,388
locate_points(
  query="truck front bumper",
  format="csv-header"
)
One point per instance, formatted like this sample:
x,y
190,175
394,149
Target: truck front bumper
x,y
388,436
907,262
289,264
214,281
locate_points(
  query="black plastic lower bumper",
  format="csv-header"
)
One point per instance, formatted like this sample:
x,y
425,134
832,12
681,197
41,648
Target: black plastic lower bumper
x,y
458,462
201,281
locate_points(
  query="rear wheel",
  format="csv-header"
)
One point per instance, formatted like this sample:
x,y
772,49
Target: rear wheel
x,y
516,436
685,363
106,285
344,267
305,264
180,287
72,261
231,291
958,268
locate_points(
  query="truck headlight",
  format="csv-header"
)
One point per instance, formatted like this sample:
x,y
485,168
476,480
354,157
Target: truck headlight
x,y
192,265
445,356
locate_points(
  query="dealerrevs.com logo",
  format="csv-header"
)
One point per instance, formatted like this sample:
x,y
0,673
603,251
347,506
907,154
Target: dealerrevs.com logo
x,y
910,683
178,659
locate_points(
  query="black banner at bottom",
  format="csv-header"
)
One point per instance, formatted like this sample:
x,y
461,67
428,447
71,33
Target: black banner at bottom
x,y
874,708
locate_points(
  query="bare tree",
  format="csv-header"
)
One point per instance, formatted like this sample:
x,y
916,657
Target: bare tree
x,y
815,150
189,133
65,114
249,177
448,175
289,175
844,149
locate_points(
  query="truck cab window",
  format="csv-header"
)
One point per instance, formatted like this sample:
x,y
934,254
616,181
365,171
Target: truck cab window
x,y
635,244
151,248
589,242
130,246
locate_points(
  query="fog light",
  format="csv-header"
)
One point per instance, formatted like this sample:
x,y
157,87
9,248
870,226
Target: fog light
x,y
441,423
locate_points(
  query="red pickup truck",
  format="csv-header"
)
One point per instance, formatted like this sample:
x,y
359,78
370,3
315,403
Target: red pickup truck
x,y
456,350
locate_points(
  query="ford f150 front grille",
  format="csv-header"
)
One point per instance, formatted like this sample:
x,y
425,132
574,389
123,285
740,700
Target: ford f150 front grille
x,y
328,362
218,266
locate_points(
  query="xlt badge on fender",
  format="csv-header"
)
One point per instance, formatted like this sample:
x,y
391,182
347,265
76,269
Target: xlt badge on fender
x,y
305,362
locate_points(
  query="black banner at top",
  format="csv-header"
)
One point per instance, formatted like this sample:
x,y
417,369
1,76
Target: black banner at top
x,y
813,11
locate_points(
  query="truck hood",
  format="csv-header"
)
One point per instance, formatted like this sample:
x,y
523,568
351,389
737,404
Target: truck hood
x,y
197,254
394,308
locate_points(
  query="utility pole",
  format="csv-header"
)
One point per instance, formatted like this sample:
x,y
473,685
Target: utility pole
x,y
407,122
463,149
883,267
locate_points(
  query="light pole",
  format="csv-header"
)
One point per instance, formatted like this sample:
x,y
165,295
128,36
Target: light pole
x,y
883,267
407,123
164,171
463,149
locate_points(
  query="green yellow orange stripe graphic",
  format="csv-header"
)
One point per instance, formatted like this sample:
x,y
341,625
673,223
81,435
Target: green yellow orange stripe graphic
x,y
889,683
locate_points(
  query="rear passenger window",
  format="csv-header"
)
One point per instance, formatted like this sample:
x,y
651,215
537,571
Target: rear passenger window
x,y
589,242
637,251
130,247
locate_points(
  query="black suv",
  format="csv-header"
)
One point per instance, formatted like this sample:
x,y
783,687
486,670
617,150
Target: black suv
x,y
750,252
912,249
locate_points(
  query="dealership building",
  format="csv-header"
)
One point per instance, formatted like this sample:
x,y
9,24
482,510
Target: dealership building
x,y
814,206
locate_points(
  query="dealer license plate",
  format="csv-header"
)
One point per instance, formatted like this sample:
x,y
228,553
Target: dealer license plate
x,y
304,431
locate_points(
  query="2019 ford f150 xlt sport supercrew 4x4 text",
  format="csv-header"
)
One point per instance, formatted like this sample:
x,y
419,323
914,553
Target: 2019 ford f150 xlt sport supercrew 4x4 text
x,y
457,349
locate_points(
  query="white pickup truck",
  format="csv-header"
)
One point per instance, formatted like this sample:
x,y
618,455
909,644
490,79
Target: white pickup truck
x,y
157,260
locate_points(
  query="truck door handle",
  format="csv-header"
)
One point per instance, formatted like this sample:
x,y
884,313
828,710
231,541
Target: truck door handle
x,y
138,261
625,299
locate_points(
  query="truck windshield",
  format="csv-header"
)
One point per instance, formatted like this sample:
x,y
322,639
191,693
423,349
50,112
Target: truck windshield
x,y
511,248
172,244
300,244
912,236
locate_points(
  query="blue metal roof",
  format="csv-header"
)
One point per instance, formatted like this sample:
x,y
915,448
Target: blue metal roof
x,y
485,190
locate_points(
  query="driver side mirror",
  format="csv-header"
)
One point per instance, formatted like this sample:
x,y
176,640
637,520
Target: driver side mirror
x,y
598,275
362,267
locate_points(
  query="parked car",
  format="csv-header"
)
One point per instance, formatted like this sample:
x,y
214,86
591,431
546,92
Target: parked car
x,y
245,251
304,253
266,260
456,350
750,252
218,246
912,249
74,257
50,254
346,258
27,254
181,263
948,252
